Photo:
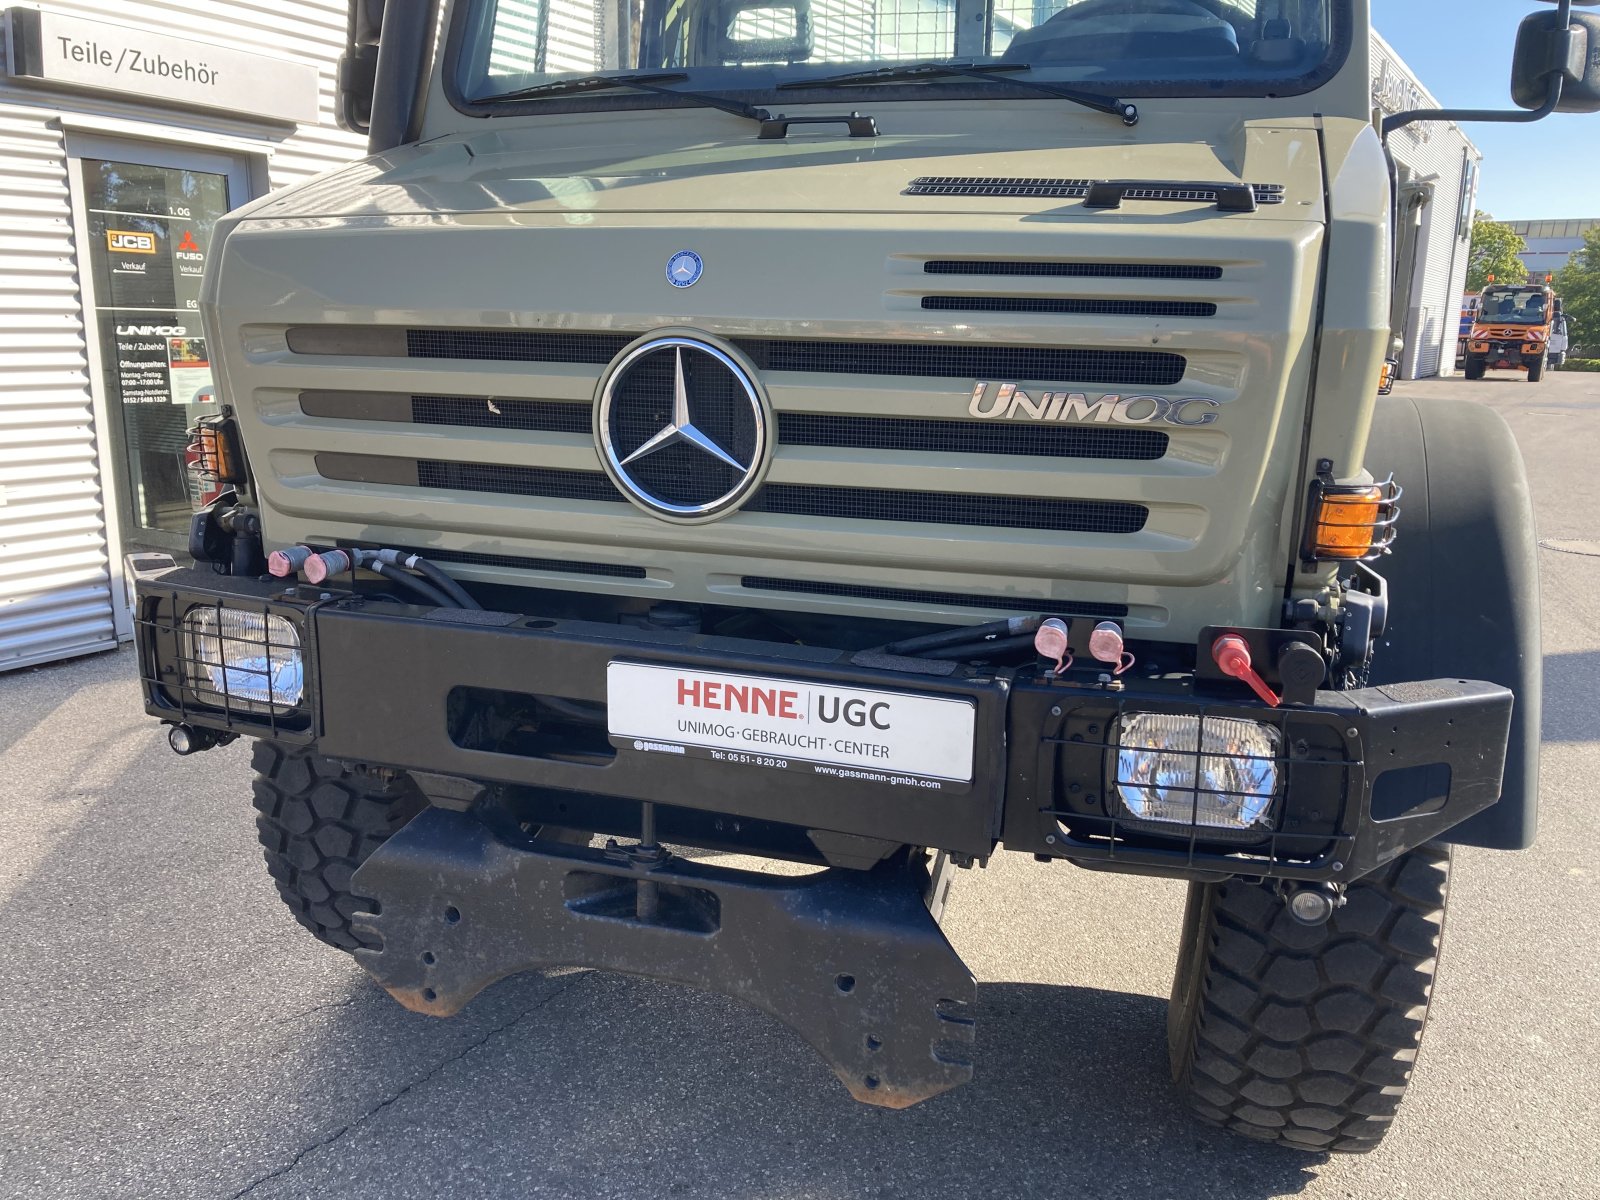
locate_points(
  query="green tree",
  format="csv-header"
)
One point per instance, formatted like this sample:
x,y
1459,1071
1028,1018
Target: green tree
x,y
1578,285
1495,246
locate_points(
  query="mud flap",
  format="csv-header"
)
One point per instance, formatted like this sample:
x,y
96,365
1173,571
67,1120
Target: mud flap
x,y
852,961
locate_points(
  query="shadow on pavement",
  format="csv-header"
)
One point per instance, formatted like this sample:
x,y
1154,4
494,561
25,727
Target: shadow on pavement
x,y
634,1088
1571,682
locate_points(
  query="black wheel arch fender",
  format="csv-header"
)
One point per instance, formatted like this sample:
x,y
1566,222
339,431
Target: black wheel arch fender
x,y
1463,580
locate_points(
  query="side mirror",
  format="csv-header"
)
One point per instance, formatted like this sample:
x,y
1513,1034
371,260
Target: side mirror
x,y
1546,50
358,66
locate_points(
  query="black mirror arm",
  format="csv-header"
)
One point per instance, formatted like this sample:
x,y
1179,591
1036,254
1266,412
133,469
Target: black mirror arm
x,y
1465,115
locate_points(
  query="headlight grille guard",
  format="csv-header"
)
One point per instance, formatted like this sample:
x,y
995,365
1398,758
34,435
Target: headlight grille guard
x,y
1361,776
1315,756
174,666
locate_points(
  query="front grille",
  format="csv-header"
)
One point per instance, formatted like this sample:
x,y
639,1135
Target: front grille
x,y
944,508
1070,189
913,435
839,503
1072,270
1148,368
547,416
517,481
970,437
516,345
943,360
1071,306
809,587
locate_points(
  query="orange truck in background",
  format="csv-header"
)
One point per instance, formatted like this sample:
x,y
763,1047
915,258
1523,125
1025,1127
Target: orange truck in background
x,y
1511,330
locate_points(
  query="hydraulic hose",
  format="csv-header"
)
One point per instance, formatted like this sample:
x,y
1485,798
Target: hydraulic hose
x,y
415,562
989,649
417,586
1011,626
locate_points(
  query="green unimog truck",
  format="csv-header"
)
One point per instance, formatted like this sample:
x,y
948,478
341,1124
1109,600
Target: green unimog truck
x,y
874,436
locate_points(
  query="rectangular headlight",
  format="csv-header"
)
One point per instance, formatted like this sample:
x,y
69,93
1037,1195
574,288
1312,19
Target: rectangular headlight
x,y
242,660
1218,773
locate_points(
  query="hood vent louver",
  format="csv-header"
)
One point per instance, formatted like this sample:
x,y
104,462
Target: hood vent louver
x,y
1087,189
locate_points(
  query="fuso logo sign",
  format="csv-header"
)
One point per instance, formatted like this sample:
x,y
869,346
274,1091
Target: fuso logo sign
x,y
127,242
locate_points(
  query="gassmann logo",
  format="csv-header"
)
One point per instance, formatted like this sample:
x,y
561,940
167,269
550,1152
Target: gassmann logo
x,y
1007,400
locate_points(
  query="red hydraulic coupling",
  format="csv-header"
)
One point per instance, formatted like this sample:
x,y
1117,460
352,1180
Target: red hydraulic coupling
x,y
1231,653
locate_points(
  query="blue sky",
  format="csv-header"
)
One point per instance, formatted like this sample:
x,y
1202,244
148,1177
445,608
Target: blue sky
x,y
1461,50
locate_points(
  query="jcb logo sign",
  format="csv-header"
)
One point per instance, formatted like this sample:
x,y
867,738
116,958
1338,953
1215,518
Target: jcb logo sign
x,y
125,241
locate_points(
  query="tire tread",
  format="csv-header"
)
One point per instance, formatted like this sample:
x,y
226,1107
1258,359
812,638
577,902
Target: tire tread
x,y
318,821
1307,1036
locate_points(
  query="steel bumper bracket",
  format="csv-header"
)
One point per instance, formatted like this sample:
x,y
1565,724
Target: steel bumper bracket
x,y
852,961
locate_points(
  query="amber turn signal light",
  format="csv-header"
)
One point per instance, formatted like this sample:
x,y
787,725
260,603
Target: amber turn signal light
x,y
1351,522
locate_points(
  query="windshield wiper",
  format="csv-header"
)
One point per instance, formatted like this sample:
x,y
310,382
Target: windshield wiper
x,y
909,72
644,81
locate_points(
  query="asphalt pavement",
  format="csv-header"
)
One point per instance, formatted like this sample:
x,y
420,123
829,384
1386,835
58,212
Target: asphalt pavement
x,y
166,1030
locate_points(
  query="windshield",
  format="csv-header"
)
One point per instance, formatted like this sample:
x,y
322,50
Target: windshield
x,y
1148,47
1513,306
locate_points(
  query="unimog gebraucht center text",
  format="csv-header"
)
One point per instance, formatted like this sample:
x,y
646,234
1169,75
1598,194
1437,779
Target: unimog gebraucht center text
x,y
872,437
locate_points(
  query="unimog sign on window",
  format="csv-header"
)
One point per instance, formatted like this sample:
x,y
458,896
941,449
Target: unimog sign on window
x,y
49,48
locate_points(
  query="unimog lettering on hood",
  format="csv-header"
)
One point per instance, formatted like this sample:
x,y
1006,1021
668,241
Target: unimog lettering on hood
x,y
1008,401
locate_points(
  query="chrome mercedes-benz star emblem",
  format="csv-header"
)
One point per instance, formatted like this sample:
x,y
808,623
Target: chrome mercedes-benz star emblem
x,y
681,428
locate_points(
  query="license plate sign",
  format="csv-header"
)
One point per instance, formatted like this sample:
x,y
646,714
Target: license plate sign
x,y
850,733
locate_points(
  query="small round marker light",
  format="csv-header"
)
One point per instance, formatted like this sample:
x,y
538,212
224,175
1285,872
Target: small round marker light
x,y
182,739
1312,906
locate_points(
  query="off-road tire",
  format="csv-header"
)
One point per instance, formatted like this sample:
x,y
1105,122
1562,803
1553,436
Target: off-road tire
x,y
1535,368
318,821
1307,1035
1473,367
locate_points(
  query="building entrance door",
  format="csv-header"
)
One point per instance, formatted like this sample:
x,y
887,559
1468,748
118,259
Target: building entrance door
x,y
145,219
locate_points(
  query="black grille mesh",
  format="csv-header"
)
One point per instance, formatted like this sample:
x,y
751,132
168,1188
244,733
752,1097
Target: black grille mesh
x,y
516,345
1068,189
943,508
969,437
841,503
808,587
517,481
967,360
549,416
943,360
1071,306
913,435
1072,270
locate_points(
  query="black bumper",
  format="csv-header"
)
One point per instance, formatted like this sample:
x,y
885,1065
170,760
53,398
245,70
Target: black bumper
x,y
850,957
1365,774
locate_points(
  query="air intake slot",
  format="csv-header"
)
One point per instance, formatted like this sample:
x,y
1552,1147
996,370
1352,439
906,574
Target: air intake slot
x,y
945,360
841,503
1072,270
911,435
1071,306
808,587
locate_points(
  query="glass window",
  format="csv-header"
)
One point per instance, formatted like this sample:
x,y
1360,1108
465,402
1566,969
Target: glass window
x,y
1209,47
149,232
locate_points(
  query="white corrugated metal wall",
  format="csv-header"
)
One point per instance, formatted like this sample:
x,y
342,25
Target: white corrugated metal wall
x,y
1439,154
57,590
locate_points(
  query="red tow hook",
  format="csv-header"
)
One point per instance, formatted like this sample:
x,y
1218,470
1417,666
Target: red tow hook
x,y
1231,653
